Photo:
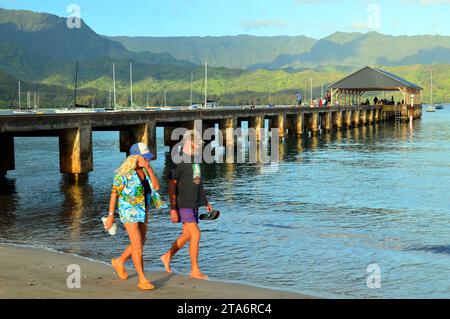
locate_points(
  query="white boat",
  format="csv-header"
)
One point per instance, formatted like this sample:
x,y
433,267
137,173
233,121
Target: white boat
x,y
78,108
20,110
431,108
23,112
194,106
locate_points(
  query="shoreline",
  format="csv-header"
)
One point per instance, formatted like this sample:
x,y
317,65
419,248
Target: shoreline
x,y
28,272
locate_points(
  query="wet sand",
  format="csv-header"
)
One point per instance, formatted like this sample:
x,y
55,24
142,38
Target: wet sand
x,y
34,273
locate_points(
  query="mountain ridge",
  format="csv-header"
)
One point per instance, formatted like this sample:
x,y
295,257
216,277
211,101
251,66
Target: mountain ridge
x,y
355,48
42,57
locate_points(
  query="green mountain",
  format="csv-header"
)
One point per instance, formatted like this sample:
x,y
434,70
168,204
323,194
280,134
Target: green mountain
x,y
48,36
371,48
41,51
240,51
342,49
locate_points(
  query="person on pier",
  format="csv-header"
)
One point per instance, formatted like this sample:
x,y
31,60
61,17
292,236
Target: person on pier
x,y
299,98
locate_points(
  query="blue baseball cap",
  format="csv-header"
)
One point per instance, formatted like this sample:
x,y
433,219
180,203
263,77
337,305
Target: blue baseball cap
x,y
141,149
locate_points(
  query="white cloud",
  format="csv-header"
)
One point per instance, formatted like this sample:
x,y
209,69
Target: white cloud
x,y
262,24
428,2
359,25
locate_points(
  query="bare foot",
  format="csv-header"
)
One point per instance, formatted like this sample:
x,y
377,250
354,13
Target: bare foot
x,y
199,275
165,259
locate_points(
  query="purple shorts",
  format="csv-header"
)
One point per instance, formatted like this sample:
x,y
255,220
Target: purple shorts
x,y
188,215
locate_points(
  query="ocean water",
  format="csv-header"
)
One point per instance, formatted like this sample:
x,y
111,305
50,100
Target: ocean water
x,y
335,204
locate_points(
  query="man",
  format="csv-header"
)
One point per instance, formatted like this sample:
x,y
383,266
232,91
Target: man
x,y
299,98
186,196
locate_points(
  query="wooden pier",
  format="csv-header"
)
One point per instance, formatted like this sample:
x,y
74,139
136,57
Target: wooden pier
x,y
75,130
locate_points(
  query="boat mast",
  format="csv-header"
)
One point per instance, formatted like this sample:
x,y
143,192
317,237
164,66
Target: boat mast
x,y
114,84
311,91
165,98
28,100
35,105
192,79
76,84
20,103
131,84
206,84
431,93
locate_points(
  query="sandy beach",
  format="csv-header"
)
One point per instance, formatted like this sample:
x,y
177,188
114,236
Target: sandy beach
x,y
35,273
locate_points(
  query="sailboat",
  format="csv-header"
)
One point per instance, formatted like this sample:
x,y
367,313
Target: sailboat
x,y
21,110
78,108
132,104
439,106
192,105
432,107
113,105
36,104
208,103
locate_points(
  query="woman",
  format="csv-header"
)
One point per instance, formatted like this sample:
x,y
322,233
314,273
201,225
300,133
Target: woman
x,y
132,190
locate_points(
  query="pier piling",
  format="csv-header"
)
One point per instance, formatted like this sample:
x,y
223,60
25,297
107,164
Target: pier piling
x,y
75,151
356,117
257,122
296,124
312,122
363,117
281,125
7,161
326,119
140,133
227,126
370,116
348,118
337,119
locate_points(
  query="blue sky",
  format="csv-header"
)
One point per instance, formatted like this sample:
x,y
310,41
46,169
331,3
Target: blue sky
x,y
314,18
